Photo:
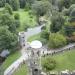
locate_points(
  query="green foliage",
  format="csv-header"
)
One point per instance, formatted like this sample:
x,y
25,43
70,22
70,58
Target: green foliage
x,y
17,23
1,70
45,34
65,60
57,23
30,2
10,59
65,12
23,70
66,3
56,40
22,3
14,4
40,7
8,8
49,64
71,8
2,3
7,39
68,29
17,16
60,5
26,26
7,20
72,14
43,28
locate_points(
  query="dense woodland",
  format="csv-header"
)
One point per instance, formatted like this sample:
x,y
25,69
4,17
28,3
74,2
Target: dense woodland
x,y
59,32
61,14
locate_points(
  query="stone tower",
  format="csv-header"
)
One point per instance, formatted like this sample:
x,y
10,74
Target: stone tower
x,y
35,57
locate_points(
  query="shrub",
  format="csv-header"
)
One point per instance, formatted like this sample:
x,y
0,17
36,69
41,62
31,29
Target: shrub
x,y
8,8
45,34
26,27
56,40
17,16
43,28
49,64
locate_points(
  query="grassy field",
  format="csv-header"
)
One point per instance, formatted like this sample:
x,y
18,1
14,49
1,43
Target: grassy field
x,y
35,37
26,18
65,61
21,71
10,59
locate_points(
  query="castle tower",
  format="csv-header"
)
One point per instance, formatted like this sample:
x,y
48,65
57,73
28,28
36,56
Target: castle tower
x,y
35,58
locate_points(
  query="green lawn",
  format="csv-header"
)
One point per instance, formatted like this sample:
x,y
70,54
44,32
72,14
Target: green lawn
x,y
65,60
34,37
21,71
10,59
26,18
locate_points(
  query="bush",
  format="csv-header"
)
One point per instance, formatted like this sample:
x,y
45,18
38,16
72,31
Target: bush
x,y
8,8
49,64
26,27
71,7
43,28
17,16
56,40
72,14
66,12
44,41
45,34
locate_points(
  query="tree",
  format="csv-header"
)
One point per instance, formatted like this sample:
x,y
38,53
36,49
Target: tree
x,y
56,23
40,7
72,14
7,39
26,26
17,20
30,2
22,3
8,8
66,3
49,64
71,8
60,5
69,29
14,4
17,16
2,3
8,20
56,40
1,70
45,34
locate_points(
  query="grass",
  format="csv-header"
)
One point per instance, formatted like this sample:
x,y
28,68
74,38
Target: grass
x,y
65,61
34,37
26,18
21,71
10,59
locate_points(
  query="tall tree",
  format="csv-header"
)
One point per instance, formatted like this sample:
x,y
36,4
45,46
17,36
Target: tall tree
x,y
14,4
8,8
7,20
7,39
2,3
56,23
22,3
